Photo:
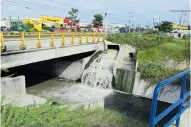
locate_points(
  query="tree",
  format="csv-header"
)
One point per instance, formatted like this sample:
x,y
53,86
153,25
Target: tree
x,y
98,21
29,25
165,26
52,28
14,28
123,30
73,14
89,26
188,27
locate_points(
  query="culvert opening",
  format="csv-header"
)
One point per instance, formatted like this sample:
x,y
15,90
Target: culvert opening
x,y
39,72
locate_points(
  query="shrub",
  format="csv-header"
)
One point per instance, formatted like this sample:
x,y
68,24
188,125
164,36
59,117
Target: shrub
x,y
47,115
153,49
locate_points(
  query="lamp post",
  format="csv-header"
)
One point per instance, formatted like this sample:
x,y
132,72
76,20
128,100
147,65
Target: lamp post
x,y
105,25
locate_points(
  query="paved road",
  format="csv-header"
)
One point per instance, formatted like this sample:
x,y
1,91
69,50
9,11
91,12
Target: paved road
x,y
12,43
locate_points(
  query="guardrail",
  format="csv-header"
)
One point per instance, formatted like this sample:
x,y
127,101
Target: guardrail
x,y
95,37
179,103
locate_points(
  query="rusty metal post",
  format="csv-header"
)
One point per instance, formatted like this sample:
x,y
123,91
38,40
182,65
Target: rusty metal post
x,y
22,45
3,47
63,39
52,40
38,43
98,38
80,40
87,37
72,41
93,37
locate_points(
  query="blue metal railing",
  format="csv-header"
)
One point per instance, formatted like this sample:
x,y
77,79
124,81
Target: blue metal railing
x,y
179,103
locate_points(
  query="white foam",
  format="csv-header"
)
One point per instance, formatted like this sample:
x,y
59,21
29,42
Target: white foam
x,y
99,74
81,93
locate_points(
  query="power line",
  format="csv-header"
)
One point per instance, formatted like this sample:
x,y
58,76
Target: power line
x,y
92,10
32,5
51,8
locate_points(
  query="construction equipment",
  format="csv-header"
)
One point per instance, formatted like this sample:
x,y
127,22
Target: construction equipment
x,y
180,20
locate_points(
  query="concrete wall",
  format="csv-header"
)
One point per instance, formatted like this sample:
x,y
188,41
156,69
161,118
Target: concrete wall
x,y
75,70
124,69
124,80
14,85
70,67
19,58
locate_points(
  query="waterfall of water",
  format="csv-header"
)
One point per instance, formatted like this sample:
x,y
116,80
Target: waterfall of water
x,y
96,82
99,74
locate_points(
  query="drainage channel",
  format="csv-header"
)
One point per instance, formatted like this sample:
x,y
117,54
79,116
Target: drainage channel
x,y
94,85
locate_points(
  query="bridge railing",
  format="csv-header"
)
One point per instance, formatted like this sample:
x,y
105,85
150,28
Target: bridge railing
x,y
91,37
179,103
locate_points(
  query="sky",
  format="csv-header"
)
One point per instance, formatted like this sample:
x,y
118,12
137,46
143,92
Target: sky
x,y
119,11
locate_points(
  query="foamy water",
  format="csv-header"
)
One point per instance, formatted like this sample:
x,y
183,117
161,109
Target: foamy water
x,y
96,83
81,93
99,74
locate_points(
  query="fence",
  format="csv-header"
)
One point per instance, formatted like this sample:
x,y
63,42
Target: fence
x,y
38,37
179,103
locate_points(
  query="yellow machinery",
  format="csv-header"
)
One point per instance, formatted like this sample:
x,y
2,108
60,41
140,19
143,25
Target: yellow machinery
x,y
48,20
180,27
36,22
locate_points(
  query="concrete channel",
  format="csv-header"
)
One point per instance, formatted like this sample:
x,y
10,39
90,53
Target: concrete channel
x,y
60,80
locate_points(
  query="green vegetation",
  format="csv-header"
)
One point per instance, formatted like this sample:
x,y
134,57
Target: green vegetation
x,y
154,52
48,115
165,26
29,26
73,14
98,20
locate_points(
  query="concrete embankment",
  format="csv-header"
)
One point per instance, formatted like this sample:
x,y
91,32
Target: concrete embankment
x,y
14,91
35,75
124,69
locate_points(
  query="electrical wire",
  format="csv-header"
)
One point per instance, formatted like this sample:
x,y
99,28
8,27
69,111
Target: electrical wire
x,y
51,8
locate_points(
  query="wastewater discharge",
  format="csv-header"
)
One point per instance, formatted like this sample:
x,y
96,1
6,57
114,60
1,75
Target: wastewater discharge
x,y
96,81
99,74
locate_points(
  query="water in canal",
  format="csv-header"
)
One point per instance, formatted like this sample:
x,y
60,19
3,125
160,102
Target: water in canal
x,y
96,84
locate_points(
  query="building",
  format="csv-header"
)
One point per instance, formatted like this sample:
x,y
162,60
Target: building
x,y
112,27
69,25
85,24
5,23
49,21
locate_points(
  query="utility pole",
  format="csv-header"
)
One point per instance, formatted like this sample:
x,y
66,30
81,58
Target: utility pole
x,y
105,24
18,23
129,26
105,19
10,23
130,16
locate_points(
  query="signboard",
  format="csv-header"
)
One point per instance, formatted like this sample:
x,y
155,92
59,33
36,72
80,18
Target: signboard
x,y
156,20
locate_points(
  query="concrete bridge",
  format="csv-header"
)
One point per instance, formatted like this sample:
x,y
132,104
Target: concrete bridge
x,y
24,49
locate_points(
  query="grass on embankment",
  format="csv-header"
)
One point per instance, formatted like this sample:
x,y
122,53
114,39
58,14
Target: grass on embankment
x,y
154,52
47,115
